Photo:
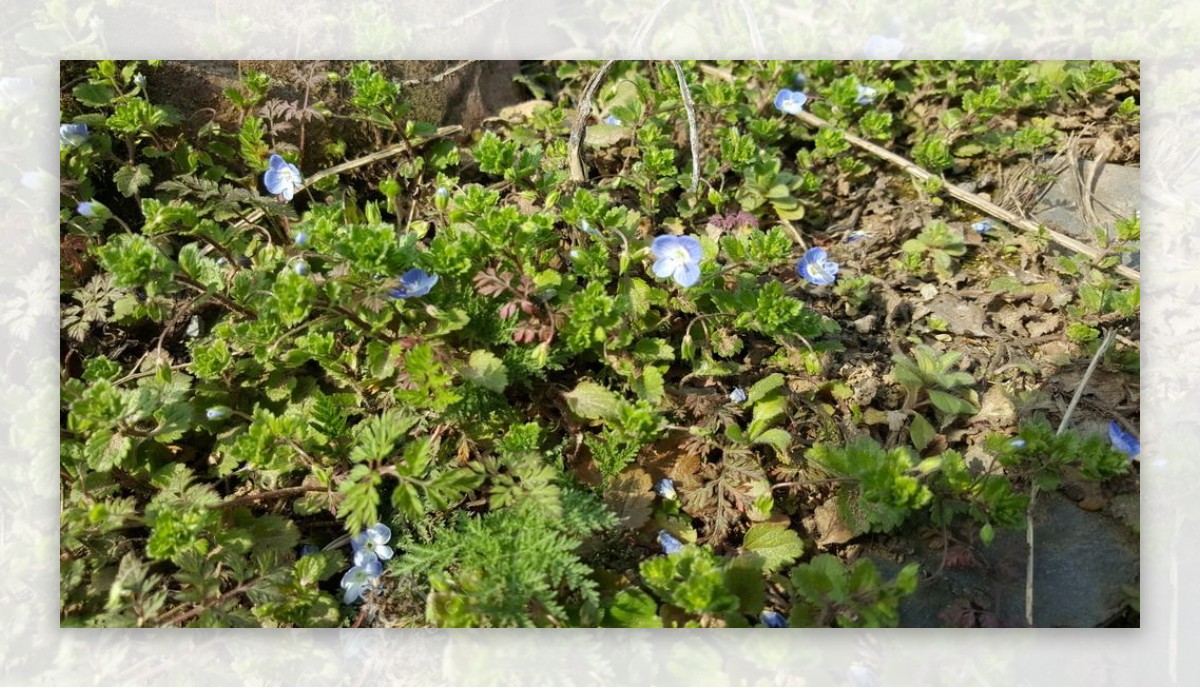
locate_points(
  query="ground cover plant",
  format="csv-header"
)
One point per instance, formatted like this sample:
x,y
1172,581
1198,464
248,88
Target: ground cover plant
x,y
327,364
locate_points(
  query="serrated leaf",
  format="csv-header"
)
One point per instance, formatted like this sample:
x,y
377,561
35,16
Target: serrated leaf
x,y
921,432
486,370
129,179
775,543
592,401
94,95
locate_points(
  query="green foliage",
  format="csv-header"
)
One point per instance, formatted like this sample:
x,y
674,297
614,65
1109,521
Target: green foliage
x,y
884,487
242,377
937,244
513,567
830,593
1045,454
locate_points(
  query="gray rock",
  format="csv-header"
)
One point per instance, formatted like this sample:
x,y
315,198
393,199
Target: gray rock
x,y
1116,192
1083,561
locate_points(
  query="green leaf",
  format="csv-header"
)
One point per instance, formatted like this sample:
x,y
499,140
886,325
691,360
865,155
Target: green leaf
x,y
775,437
764,387
633,608
486,370
950,403
775,543
94,95
129,178
592,401
921,432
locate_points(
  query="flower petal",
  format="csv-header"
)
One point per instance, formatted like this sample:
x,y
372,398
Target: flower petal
x,y
379,533
366,557
664,267
687,274
663,244
692,246
384,552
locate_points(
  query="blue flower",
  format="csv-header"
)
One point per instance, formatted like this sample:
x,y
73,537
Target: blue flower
x,y
71,135
666,489
589,229
791,102
738,395
414,283
613,120
442,192
86,208
883,48
678,257
866,95
799,81
300,268
217,412
300,239
1123,441
856,235
139,80
774,619
669,543
816,267
1017,443
359,579
983,226
371,545
282,178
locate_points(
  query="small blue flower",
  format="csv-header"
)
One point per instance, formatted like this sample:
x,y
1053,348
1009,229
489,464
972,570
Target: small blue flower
x,y
856,235
866,95
282,178
589,229
86,209
669,543
774,619
359,579
71,135
300,268
983,226
678,257
816,267
301,239
414,283
883,48
791,102
1123,441
613,120
799,81
139,80
217,412
371,545
442,192
666,489
738,395
1018,443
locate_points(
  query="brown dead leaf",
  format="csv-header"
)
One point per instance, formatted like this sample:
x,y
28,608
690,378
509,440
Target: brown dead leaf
x,y
832,528
996,409
631,498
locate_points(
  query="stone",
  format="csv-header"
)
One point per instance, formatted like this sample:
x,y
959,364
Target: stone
x,y
1115,195
1083,561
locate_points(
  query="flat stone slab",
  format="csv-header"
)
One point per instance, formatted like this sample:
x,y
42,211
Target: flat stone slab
x,y
1116,194
1084,560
